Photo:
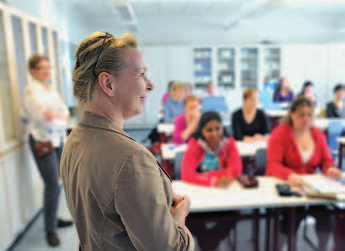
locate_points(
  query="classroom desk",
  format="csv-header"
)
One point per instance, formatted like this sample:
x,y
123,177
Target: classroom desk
x,y
169,151
237,198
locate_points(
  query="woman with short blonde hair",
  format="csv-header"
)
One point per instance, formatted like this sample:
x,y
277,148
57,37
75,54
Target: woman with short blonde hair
x,y
118,194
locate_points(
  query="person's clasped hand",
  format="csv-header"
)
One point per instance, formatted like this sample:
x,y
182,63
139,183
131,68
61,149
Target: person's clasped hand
x,y
180,208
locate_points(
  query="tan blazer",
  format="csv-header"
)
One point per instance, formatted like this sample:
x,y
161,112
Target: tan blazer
x,y
119,198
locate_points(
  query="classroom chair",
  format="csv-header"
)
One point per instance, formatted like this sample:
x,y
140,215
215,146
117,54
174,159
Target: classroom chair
x,y
334,129
265,99
177,165
217,104
260,162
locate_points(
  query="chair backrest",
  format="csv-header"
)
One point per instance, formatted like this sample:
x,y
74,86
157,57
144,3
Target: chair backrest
x,y
265,98
260,161
177,165
335,129
216,103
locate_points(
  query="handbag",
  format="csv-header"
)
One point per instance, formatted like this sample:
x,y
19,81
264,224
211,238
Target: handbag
x,y
43,148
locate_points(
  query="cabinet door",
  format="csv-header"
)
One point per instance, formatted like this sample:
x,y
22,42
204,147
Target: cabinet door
x,y
13,192
33,38
6,233
21,64
7,111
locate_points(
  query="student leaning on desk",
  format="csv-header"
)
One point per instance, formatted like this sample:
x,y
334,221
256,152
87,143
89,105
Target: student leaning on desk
x,y
296,148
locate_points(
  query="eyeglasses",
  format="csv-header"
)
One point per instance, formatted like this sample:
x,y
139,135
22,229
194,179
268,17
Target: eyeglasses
x,y
100,51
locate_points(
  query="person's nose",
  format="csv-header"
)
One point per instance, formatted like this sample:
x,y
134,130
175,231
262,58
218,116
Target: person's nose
x,y
150,86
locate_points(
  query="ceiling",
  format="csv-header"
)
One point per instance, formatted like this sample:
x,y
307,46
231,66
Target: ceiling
x,y
202,22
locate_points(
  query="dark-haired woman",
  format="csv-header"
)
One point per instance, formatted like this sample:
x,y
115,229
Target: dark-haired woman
x,y
283,93
297,148
47,116
336,108
308,92
211,159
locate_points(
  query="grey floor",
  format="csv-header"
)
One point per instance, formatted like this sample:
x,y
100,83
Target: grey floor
x,y
34,239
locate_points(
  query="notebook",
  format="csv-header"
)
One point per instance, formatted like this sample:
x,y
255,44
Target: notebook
x,y
320,186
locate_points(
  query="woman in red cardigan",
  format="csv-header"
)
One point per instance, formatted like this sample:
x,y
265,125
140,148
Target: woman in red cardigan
x,y
296,148
211,159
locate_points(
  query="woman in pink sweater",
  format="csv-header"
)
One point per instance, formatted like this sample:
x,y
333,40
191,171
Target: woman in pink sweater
x,y
187,123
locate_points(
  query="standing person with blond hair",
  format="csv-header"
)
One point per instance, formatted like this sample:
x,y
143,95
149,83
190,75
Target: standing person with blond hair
x,y
118,194
47,116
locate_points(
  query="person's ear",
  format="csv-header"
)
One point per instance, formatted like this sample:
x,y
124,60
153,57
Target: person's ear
x,y
106,83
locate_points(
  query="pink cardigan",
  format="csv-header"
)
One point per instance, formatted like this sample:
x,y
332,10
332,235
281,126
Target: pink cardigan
x,y
283,156
179,127
229,160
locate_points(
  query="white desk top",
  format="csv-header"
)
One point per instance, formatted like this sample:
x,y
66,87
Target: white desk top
x,y
322,124
206,199
168,128
246,149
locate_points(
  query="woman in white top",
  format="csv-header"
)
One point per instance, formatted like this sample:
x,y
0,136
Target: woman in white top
x,y
47,117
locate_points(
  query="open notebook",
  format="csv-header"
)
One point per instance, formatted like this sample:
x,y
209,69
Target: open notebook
x,y
320,186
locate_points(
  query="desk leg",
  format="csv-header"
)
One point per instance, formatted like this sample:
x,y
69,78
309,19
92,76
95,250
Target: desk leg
x,y
256,230
340,155
268,230
276,229
291,233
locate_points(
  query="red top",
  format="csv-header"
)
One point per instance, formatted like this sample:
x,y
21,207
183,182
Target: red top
x,y
284,158
229,161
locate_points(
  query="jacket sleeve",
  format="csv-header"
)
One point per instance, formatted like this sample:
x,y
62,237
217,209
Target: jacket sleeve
x,y
34,104
275,156
326,158
190,162
142,204
236,127
234,161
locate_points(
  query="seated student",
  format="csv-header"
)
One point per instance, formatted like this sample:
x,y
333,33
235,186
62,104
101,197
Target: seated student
x,y
250,123
296,148
187,123
336,108
173,107
283,92
167,94
308,91
211,159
